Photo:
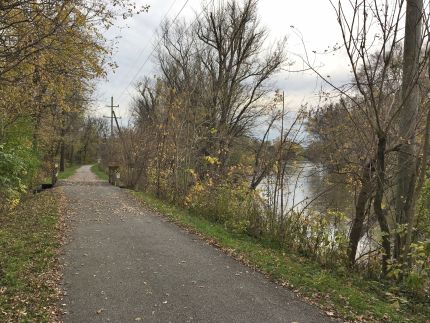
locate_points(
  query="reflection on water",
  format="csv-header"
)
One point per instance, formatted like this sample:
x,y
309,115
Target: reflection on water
x,y
310,186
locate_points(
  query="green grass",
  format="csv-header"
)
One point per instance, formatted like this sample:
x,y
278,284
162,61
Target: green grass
x,y
29,242
96,169
68,171
346,294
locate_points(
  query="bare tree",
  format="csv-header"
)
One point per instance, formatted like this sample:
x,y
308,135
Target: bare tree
x,y
372,37
237,69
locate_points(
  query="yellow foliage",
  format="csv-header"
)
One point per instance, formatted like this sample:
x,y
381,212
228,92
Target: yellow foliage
x,y
211,160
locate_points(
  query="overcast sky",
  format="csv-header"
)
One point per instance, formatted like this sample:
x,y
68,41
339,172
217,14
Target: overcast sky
x,y
314,20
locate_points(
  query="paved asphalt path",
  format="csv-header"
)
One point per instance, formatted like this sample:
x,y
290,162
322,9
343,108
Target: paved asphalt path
x,y
123,263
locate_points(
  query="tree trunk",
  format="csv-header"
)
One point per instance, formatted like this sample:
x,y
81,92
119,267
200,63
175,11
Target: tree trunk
x,y
71,154
377,204
407,121
62,155
360,213
420,178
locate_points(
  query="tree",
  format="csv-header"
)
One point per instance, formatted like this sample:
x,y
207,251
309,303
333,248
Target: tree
x,y
50,54
210,92
371,33
237,70
408,162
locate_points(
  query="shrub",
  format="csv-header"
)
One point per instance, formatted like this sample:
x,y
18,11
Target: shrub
x,y
232,204
17,169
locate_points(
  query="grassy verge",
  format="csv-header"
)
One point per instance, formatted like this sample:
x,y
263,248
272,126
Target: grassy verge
x,y
96,169
342,294
68,171
29,242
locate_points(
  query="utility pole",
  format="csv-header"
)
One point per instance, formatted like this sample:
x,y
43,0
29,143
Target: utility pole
x,y
113,163
281,160
112,115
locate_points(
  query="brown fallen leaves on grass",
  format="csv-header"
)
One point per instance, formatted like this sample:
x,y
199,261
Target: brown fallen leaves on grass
x,y
30,240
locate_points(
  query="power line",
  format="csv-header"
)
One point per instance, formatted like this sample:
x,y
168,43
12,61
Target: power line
x,y
152,51
147,44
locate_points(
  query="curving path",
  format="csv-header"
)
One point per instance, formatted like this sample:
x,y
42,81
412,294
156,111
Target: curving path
x,y
122,263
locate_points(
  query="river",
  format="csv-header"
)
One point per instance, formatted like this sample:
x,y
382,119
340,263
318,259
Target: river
x,y
309,187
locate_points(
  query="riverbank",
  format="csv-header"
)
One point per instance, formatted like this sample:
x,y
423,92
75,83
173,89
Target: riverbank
x,y
339,293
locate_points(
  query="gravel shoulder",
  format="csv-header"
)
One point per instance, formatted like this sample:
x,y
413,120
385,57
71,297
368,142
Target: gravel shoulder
x,y
123,263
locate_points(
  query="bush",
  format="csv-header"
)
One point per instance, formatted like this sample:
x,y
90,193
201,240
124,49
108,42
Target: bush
x,y
17,169
234,205
322,236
